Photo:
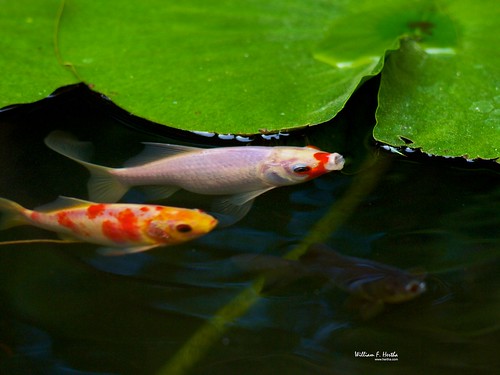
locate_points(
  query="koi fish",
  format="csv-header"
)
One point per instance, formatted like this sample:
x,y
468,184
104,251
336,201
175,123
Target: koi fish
x,y
367,279
241,172
371,284
120,228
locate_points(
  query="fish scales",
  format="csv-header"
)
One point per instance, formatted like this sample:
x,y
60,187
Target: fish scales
x,y
124,228
201,172
239,173
82,222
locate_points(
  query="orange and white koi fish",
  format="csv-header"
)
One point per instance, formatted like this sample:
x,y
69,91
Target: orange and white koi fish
x,y
241,172
120,228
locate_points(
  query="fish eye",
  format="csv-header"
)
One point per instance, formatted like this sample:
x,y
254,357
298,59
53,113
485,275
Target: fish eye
x,y
414,287
183,228
301,168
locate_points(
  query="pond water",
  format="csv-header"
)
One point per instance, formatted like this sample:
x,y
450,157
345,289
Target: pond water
x,y
188,309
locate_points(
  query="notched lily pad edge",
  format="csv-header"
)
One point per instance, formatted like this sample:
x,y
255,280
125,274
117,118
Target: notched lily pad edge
x,y
418,153
264,137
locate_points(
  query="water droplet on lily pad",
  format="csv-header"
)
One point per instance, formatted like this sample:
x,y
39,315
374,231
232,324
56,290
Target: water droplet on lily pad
x,y
483,106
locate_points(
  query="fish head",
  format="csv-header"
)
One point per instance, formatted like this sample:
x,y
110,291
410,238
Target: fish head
x,y
176,225
394,288
293,165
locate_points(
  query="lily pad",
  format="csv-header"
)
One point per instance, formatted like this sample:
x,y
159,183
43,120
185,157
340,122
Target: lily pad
x,y
441,90
243,67
231,67
28,62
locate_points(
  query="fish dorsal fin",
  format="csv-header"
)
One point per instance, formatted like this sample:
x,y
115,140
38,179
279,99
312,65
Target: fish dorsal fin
x,y
156,151
62,203
66,144
318,251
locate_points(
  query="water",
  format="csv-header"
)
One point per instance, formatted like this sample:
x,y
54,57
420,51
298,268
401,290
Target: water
x,y
66,310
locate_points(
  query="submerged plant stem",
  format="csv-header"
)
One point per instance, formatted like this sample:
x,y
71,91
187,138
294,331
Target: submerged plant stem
x,y
199,343
362,184
194,349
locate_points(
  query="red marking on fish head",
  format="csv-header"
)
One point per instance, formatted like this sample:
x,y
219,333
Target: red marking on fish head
x,y
173,226
319,169
158,232
144,209
95,210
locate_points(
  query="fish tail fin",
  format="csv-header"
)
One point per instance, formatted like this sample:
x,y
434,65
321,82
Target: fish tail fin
x,y
11,214
104,185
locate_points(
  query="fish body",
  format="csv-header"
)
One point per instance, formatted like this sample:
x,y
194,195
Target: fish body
x,y
369,280
370,284
242,172
121,228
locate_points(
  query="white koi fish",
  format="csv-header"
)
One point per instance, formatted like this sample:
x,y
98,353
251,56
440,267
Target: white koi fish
x,y
242,172
121,228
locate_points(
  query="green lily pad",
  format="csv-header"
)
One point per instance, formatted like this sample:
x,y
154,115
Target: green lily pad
x,y
28,61
232,67
440,84
441,90
241,67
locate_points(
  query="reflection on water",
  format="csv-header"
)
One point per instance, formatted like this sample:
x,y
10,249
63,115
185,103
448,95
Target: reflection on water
x,y
66,309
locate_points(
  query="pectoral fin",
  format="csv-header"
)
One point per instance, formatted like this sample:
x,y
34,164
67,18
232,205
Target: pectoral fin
x,y
242,198
235,207
115,251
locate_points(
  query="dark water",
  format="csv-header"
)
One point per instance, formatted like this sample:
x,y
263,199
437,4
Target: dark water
x,y
64,309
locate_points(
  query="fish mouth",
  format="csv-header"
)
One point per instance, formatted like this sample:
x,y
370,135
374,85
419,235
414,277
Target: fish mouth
x,y
335,162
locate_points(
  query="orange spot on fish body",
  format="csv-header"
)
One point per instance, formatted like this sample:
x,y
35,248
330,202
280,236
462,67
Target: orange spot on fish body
x,y
113,231
95,210
64,220
144,209
128,221
35,216
124,229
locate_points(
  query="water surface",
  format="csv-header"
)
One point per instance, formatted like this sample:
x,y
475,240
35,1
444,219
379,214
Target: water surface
x,y
64,309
